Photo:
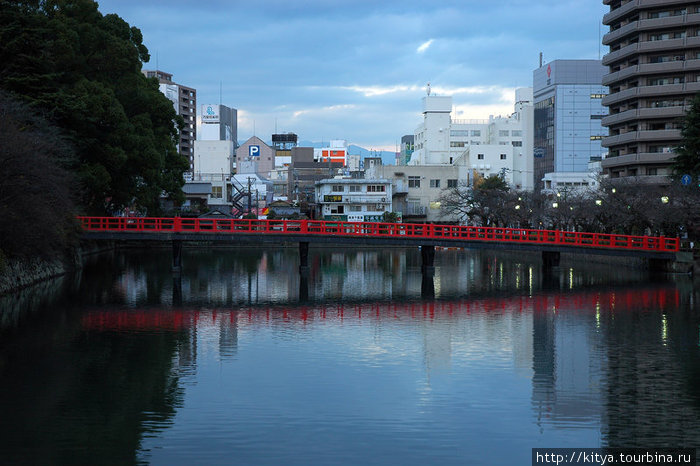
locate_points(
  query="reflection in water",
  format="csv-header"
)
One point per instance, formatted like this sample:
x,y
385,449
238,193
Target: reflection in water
x,y
242,355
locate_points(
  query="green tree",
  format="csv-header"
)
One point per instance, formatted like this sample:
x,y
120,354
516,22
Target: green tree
x,y
687,160
84,70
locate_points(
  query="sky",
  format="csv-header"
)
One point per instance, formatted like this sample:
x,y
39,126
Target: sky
x,y
358,69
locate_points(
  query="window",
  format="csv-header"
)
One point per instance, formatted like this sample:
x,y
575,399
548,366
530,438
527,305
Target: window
x,y
480,156
217,192
516,133
378,188
596,138
503,133
434,183
457,132
355,208
517,143
355,188
337,188
597,96
458,144
652,171
451,183
414,181
597,117
476,133
503,156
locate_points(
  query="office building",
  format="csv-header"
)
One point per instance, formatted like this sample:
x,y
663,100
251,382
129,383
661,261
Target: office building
x,y
567,122
184,101
653,69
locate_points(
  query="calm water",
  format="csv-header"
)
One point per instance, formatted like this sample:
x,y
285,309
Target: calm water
x,y
243,361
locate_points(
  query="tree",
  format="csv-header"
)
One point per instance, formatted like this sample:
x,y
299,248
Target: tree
x,y
687,160
36,200
84,70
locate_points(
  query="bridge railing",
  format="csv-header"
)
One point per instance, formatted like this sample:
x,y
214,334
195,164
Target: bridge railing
x,y
405,230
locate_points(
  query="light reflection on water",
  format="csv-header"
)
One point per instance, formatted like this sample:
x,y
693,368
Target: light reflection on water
x,y
241,360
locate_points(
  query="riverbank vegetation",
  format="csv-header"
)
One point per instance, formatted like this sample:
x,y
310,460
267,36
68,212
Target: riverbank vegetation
x,y
83,130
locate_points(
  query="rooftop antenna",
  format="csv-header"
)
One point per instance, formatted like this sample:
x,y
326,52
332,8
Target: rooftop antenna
x,y
157,61
428,88
221,84
540,59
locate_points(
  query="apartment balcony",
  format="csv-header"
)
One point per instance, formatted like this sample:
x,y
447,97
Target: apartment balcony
x,y
671,135
618,55
618,34
617,14
643,158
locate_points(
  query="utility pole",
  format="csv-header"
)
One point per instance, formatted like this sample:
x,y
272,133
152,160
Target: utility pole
x,y
249,196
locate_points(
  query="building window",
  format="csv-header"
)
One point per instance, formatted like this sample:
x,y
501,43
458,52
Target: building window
x,y
480,156
458,144
355,188
337,188
516,133
459,132
597,96
517,143
434,183
476,133
597,117
217,192
414,181
503,156
652,171
378,188
503,133
355,208
451,183
596,138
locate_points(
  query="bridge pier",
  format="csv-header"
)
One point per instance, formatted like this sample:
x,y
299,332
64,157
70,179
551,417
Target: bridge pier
x,y
427,254
427,286
550,259
177,255
303,256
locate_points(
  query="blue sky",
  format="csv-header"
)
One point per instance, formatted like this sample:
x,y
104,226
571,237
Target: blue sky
x,y
357,69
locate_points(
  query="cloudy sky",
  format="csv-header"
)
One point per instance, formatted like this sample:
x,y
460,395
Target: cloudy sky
x,y
357,69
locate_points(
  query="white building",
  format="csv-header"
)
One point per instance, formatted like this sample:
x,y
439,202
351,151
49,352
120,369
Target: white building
x,y
354,199
497,146
337,151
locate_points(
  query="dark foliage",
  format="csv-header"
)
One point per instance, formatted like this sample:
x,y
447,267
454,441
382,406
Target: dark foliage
x,y
83,70
36,203
687,160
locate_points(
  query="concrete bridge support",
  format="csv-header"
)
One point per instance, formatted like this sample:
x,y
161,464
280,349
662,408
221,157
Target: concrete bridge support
x,y
427,254
550,259
177,255
303,256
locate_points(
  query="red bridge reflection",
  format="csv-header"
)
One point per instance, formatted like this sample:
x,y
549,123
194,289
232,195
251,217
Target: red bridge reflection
x,y
178,319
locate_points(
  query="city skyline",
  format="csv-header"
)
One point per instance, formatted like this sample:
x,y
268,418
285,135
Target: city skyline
x,y
357,70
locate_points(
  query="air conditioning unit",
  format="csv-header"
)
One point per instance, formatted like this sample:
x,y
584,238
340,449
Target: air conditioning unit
x,y
384,199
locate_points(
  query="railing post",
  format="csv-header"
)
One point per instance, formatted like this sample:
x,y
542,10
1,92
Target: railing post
x,y
177,224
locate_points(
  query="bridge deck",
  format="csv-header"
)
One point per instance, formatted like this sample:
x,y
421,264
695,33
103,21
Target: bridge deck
x,y
364,233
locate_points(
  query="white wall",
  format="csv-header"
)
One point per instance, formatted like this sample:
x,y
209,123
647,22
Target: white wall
x,y
213,157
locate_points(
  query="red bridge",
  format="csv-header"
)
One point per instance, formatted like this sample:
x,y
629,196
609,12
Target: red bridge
x,y
550,242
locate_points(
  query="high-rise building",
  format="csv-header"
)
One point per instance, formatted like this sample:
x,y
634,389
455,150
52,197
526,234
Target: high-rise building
x,y
568,112
217,122
184,101
654,70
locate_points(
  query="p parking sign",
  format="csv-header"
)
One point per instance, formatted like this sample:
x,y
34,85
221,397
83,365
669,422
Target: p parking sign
x,y
253,151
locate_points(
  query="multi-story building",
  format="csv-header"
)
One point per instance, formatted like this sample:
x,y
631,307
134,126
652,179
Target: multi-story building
x,y
353,199
336,152
498,146
654,66
184,101
567,129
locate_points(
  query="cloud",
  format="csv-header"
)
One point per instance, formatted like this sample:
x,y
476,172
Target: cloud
x,y
424,46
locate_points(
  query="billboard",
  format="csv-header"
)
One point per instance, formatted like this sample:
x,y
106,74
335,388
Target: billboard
x,y
210,113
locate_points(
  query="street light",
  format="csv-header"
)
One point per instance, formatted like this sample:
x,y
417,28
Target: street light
x,y
555,204
598,202
664,199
